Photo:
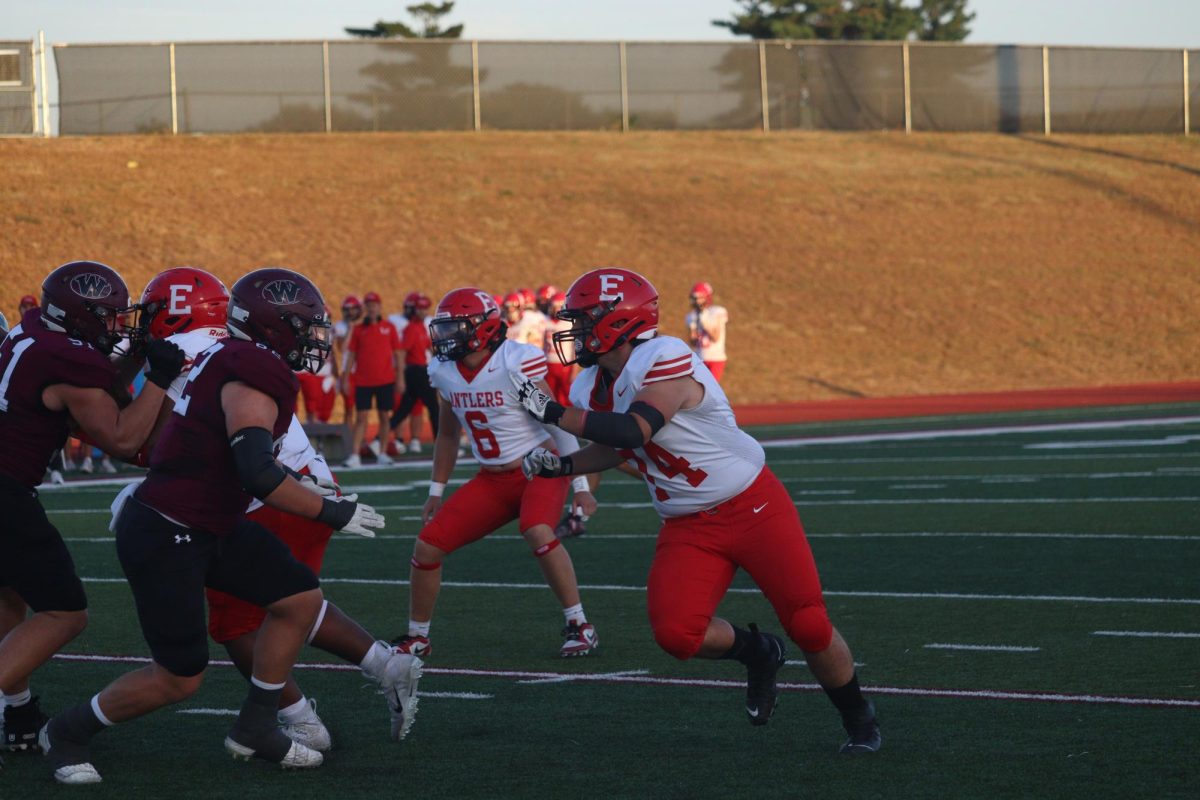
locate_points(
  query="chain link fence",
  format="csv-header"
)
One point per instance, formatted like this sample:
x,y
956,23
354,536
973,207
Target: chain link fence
x,y
409,85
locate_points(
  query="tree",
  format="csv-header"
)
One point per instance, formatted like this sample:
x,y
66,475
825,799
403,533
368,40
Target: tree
x,y
429,18
927,20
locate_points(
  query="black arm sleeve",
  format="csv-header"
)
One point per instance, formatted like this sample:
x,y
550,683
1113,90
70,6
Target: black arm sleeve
x,y
254,458
622,430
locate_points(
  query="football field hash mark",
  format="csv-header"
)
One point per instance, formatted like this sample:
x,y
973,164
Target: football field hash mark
x,y
997,648
1149,634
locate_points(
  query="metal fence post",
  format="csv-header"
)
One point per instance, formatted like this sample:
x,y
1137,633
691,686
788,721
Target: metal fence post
x,y
762,86
624,89
174,100
1187,98
907,89
1046,90
475,81
45,87
325,73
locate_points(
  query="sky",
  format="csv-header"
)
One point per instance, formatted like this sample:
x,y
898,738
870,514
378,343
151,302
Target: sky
x,y
1145,23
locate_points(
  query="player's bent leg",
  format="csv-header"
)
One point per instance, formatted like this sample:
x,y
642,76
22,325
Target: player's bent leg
x,y
579,635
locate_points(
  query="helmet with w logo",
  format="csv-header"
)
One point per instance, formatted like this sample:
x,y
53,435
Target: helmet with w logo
x,y
180,299
466,321
283,310
606,308
86,300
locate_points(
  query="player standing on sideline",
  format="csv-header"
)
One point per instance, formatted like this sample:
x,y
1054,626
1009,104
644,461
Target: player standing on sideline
x,y
706,329
643,397
27,302
352,312
55,370
374,361
320,390
471,377
415,345
183,530
187,306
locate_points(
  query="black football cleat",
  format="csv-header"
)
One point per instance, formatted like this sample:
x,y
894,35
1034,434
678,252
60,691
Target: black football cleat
x,y
863,728
570,525
21,725
762,693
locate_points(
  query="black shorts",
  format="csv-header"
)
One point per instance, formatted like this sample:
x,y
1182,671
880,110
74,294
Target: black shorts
x,y
168,566
34,561
384,396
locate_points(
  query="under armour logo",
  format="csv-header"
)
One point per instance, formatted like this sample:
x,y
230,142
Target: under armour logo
x,y
282,292
181,538
91,286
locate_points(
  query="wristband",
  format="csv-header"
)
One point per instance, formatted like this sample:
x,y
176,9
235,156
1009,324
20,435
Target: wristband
x,y
580,484
336,514
553,413
436,488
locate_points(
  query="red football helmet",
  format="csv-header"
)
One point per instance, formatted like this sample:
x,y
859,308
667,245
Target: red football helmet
x,y
352,308
87,300
557,302
372,297
27,302
183,298
466,321
511,306
702,294
283,310
416,301
528,298
606,308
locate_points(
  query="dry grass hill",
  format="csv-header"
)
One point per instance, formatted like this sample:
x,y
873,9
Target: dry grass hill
x,y
877,264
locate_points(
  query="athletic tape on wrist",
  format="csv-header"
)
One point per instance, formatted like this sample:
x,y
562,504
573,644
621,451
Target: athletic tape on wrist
x,y
436,488
580,484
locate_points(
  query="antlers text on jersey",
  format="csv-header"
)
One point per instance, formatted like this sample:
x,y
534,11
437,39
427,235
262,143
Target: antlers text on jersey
x,y
477,399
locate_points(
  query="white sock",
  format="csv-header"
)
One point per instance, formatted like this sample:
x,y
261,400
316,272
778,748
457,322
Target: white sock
x,y
295,712
269,687
419,628
18,699
376,658
575,614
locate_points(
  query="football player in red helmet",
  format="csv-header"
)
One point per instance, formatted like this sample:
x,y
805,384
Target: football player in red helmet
x,y
649,399
511,311
57,375
706,329
545,297
184,530
470,375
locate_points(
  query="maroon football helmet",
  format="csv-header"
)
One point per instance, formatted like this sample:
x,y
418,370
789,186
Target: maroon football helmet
x,y
606,308
87,300
467,321
284,311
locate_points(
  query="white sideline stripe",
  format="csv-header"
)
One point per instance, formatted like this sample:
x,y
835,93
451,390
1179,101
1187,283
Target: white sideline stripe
x,y
213,712
1150,634
507,537
1047,598
1096,443
898,486
907,501
998,648
1000,430
986,694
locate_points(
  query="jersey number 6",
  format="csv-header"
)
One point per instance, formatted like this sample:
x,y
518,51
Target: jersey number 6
x,y
485,440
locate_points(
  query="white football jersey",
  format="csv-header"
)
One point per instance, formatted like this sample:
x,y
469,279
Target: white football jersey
x,y
486,403
530,329
700,458
295,451
710,323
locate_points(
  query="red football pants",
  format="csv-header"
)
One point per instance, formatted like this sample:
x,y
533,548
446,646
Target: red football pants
x,y
697,555
491,500
230,617
318,403
558,376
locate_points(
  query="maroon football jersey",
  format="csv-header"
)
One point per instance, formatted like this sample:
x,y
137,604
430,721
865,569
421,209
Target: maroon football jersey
x,y
193,479
32,358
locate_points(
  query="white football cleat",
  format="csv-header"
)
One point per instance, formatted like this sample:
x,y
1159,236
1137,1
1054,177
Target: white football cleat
x,y
56,478
383,458
414,447
400,447
375,447
298,756
309,730
70,774
399,685
107,467
86,466
353,462
579,640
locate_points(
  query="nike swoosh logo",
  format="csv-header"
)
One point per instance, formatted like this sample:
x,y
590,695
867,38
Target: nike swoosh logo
x,y
752,712
760,508
622,392
491,369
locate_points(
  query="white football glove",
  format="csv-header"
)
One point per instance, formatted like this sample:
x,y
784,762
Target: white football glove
x,y
541,463
530,396
321,487
365,518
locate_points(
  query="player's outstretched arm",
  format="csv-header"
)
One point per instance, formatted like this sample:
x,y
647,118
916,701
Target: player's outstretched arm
x,y
249,418
543,463
120,432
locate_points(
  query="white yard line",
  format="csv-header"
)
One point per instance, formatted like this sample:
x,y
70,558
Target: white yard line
x,y
567,678
648,680
997,648
1149,634
1165,441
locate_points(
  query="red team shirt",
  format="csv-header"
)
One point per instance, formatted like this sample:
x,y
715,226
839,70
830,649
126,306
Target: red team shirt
x,y
416,343
193,479
373,346
32,358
